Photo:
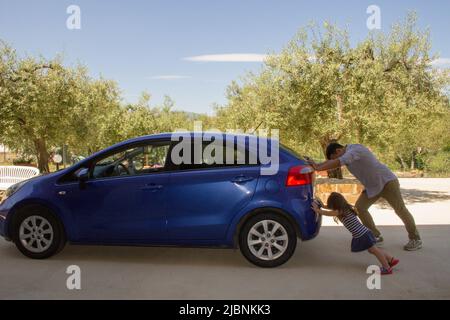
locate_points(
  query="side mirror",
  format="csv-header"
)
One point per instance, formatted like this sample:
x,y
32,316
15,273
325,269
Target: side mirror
x,y
83,175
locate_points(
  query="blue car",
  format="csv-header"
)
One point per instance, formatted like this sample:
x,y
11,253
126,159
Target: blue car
x,y
135,193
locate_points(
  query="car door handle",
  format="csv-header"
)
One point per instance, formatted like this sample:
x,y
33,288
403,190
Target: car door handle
x,y
152,187
242,179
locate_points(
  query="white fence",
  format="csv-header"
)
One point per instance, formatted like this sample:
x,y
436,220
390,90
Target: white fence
x,y
10,175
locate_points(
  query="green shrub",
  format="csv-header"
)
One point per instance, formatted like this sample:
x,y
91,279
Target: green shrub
x,y
23,160
438,163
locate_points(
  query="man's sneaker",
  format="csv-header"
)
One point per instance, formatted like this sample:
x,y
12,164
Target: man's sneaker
x,y
379,240
385,271
413,245
393,262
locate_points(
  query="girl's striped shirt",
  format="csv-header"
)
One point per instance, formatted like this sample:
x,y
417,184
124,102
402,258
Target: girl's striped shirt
x,y
352,223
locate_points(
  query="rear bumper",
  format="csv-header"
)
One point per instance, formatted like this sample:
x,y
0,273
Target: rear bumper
x,y
298,204
318,226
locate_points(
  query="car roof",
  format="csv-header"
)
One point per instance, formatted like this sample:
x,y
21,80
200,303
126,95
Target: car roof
x,y
162,136
168,135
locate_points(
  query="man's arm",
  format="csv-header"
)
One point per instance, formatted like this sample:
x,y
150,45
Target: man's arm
x,y
327,165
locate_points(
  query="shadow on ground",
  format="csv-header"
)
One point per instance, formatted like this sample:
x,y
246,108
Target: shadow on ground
x,y
187,256
138,255
412,196
320,269
330,250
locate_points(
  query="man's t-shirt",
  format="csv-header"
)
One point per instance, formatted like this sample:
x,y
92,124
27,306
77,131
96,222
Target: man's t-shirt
x,y
366,168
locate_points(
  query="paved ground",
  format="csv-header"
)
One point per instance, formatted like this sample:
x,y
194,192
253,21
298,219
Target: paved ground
x,y
320,269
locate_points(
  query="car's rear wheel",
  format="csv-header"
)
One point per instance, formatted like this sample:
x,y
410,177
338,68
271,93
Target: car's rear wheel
x,y
268,240
37,233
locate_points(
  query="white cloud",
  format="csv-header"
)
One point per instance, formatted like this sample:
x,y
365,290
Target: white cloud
x,y
229,57
170,77
441,63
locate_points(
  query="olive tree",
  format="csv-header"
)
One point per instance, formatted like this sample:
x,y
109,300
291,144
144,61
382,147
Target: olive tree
x,y
382,91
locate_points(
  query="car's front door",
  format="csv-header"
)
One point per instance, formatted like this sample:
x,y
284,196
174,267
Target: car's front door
x,y
124,199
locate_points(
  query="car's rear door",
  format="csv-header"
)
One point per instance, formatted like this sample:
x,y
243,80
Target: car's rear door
x,y
202,199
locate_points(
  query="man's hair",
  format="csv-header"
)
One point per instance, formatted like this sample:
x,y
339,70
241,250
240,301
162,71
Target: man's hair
x,y
332,147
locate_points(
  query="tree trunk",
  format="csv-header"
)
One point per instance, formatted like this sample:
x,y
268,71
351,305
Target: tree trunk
x,y
42,155
335,173
413,161
402,162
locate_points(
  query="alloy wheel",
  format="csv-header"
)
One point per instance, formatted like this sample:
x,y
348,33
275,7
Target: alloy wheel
x,y
267,240
36,234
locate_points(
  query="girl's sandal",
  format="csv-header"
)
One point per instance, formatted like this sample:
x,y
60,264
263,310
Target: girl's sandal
x,y
393,262
385,271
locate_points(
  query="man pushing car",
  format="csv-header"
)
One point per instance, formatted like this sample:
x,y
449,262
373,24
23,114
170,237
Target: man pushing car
x,y
379,182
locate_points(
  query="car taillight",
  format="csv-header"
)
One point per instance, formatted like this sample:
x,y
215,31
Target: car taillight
x,y
299,176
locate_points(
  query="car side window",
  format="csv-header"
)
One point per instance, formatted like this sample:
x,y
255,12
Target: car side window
x,y
139,160
209,158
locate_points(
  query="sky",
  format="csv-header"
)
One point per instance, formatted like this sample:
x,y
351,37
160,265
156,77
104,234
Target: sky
x,y
191,50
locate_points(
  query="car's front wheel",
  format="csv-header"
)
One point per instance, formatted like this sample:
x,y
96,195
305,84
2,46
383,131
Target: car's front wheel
x,y
268,240
37,233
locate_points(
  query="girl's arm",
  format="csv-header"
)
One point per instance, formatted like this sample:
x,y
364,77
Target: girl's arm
x,y
329,213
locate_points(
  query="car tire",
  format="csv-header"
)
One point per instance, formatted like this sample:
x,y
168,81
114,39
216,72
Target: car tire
x,y
261,246
37,233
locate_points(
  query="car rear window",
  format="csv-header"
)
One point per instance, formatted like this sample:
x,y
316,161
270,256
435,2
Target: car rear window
x,y
291,152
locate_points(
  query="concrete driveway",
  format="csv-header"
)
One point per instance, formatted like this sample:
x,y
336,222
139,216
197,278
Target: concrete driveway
x,y
320,269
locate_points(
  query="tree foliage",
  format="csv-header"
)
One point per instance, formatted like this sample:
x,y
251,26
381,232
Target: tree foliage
x,y
44,104
382,92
